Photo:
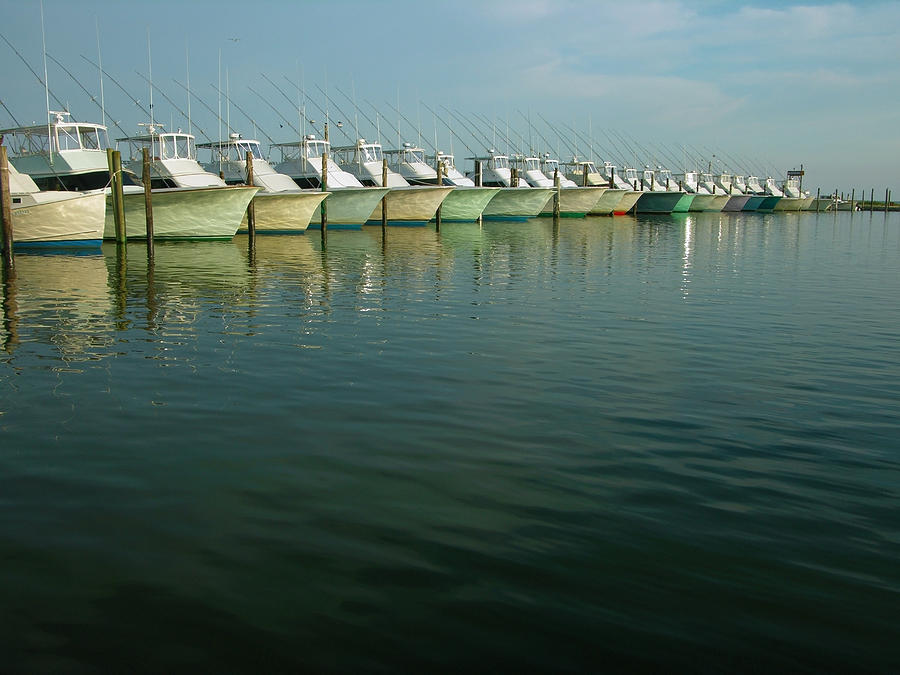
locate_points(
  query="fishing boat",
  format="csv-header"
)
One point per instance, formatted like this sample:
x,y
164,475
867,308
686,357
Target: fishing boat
x,y
740,186
406,204
511,202
794,191
54,218
655,197
704,199
737,200
575,201
768,200
467,201
62,155
785,203
585,173
349,204
664,177
280,206
188,202
629,196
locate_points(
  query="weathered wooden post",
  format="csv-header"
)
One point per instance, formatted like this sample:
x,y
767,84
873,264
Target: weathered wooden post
x,y
584,176
852,199
148,199
251,207
818,191
324,182
120,196
556,192
6,208
872,200
440,181
886,195
384,184
478,173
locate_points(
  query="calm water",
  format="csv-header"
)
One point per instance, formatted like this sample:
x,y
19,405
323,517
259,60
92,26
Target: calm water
x,y
663,443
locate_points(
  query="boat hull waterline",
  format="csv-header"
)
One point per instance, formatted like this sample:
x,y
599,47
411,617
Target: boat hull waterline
x,y
413,205
517,203
184,213
60,219
284,212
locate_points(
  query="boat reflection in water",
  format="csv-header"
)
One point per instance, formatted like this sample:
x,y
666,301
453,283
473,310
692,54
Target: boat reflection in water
x,y
60,300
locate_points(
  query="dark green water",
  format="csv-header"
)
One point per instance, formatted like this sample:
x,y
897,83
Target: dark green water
x,y
658,444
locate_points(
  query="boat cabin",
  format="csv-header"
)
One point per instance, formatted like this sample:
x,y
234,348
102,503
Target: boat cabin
x,y
229,159
60,155
365,160
409,161
302,161
494,169
173,159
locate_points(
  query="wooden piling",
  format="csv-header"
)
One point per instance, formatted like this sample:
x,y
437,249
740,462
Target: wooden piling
x,y
251,208
6,208
556,193
852,199
886,195
119,196
384,184
478,173
872,200
818,193
440,181
148,199
584,176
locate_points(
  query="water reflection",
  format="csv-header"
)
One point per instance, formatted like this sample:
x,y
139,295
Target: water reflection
x,y
59,300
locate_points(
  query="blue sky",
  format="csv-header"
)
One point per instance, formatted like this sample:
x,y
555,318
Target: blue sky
x,y
760,86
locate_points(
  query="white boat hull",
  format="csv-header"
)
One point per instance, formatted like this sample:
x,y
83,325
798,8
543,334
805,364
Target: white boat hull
x,y
517,203
348,207
575,202
413,205
59,218
184,213
466,204
627,202
607,202
284,212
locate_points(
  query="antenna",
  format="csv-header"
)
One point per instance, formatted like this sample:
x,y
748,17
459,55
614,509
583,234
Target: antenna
x,y
100,68
187,68
46,86
150,73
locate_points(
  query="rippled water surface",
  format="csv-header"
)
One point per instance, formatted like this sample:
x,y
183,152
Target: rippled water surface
x,y
663,443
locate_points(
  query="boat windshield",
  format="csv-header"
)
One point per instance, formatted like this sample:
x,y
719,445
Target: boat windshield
x,y
90,139
252,146
415,156
371,153
67,137
176,146
315,149
501,162
531,164
591,168
552,164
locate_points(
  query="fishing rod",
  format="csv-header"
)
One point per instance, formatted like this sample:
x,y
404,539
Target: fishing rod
x,y
256,127
493,127
475,133
376,126
9,112
91,96
201,102
470,126
568,146
171,102
397,110
119,85
449,128
338,108
274,109
56,99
